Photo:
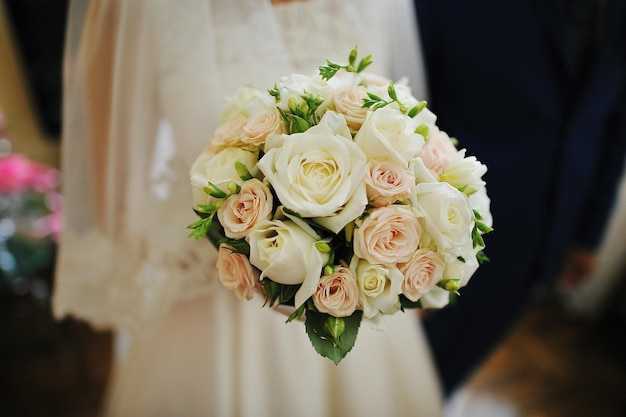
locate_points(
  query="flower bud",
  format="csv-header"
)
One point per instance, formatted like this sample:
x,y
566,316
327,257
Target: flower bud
x,y
335,326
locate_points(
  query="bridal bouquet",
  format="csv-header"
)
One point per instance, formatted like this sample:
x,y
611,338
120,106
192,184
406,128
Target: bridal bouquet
x,y
338,195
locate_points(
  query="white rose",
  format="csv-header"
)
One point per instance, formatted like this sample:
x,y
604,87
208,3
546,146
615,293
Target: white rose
x,y
286,254
247,102
241,212
464,173
293,86
421,172
219,169
461,269
481,202
447,215
379,287
389,134
319,173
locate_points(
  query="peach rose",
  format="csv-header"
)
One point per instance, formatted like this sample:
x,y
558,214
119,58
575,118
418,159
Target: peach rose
x,y
349,102
337,294
236,273
259,126
228,134
437,152
387,182
421,273
387,235
241,212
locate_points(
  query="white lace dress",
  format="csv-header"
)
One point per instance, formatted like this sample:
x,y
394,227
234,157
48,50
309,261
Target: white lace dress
x,y
144,86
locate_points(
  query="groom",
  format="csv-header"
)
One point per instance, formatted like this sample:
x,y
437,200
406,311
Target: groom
x,y
536,88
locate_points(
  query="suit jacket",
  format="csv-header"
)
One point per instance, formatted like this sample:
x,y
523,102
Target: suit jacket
x,y
506,81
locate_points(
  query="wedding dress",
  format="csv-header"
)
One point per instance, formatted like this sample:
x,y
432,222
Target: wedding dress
x,y
144,85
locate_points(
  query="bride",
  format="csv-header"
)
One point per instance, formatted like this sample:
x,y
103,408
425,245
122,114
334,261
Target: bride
x,y
144,85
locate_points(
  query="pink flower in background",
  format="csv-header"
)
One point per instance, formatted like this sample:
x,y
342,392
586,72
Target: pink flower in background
x,y
18,173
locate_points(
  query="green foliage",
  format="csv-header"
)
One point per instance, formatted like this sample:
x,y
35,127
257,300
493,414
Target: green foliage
x,y
375,102
332,337
331,68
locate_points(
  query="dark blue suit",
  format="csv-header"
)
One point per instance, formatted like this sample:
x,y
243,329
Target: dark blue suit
x,y
513,83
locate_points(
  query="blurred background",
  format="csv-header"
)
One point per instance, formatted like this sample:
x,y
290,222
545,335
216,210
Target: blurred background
x,y
565,358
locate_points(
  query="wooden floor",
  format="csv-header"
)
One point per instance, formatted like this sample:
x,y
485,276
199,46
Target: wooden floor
x,y
553,365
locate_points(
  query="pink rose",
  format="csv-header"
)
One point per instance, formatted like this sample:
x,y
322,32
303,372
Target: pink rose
x,y
421,273
258,127
387,235
337,294
437,152
236,273
349,102
241,212
387,182
228,134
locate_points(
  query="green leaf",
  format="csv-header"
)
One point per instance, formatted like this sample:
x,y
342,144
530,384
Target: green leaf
x,y
272,291
200,228
238,245
405,303
295,124
319,328
297,314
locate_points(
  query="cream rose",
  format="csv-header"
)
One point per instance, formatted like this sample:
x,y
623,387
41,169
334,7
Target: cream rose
x,y
319,173
379,287
387,235
247,102
387,182
219,169
286,254
229,134
337,294
447,215
421,273
241,212
462,269
236,273
349,102
389,134
258,127
438,152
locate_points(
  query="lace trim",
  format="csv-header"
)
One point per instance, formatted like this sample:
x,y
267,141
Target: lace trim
x,y
129,285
